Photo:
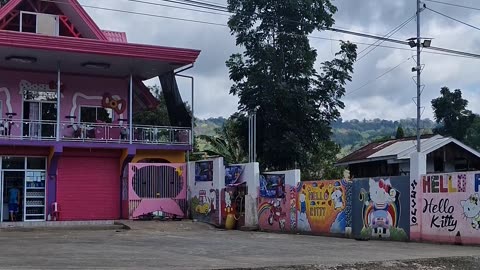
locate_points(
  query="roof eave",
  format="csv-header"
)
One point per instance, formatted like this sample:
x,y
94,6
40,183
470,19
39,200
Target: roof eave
x,y
346,163
91,46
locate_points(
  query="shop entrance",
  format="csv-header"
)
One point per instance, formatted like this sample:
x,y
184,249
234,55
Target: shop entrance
x,y
22,189
13,187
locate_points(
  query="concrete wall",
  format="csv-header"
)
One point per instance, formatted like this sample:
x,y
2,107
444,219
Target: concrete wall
x,y
447,208
239,194
277,202
380,208
205,180
323,207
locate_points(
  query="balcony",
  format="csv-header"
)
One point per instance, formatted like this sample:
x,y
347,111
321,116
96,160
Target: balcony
x,y
11,129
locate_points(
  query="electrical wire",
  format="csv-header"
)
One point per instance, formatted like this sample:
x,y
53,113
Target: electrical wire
x,y
451,18
453,5
377,78
205,3
177,7
389,34
443,51
194,5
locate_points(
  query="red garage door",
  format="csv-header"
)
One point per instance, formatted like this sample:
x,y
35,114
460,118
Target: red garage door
x,y
88,188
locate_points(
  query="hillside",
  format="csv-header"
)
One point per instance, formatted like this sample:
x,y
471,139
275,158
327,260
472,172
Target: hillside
x,y
350,135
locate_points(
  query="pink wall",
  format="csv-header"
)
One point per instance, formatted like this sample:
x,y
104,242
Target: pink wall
x,y
78,90
446,208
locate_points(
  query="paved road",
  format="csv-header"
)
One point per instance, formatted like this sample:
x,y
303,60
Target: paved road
x,y
187,245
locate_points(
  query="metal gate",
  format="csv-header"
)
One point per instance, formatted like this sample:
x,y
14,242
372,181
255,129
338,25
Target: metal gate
x,y
152,187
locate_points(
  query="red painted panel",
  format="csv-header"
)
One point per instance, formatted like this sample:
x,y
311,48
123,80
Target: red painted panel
x,y
88,188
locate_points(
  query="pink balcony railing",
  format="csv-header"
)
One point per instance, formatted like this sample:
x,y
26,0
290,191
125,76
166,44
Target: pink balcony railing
x,y
93,132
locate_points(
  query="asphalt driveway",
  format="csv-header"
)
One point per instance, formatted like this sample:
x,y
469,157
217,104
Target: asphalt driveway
x,y
188,245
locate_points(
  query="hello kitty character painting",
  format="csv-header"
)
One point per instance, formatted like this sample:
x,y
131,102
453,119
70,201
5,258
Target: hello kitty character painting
x,y
381,208
337,199
302,222
471,210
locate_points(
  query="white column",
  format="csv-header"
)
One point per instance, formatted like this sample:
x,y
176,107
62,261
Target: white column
x,y
130,110
59,98
418,168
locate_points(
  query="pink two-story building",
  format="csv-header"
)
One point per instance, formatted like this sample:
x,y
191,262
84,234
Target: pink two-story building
x,y
68,93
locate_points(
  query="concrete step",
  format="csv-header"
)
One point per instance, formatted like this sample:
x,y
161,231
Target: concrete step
x,y
61,225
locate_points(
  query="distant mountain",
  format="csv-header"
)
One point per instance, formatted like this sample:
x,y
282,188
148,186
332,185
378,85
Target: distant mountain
x,y
208,126
353,134
350,135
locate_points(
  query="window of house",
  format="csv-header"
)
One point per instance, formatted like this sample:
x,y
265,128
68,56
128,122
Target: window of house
x,y
96,114
46,24
39,96
10,163
461,164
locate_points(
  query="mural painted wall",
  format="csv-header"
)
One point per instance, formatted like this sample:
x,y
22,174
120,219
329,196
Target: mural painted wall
x,y
233,195
276,204
447,208
321,207
380,208
205,183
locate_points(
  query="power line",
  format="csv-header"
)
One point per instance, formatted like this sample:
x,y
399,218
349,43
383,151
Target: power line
x,y
453,5
349,32
141,13
206,3
195,4
377,78
389,34
178,7
451,18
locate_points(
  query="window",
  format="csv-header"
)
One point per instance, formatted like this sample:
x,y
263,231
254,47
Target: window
x,y
96,114
46,24
39,96
9,163
36,163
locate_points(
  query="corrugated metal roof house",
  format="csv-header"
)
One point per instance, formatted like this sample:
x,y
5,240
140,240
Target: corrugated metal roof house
x,y
392,158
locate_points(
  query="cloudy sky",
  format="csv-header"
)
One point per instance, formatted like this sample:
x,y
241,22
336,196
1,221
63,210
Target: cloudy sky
x,y
389,97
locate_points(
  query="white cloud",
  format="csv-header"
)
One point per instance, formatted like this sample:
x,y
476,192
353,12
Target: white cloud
x,y
389,97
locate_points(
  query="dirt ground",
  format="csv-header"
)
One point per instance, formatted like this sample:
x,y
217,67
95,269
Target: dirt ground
x,y
189,245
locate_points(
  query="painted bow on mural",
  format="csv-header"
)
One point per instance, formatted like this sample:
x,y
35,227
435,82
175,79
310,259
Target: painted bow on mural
x,y
118,105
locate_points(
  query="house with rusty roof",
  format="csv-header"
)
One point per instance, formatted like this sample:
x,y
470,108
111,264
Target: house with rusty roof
x,y
392,157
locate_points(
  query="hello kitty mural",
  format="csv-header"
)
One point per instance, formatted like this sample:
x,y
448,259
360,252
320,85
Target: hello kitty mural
x,y
449,208
381,210
321,207
471,210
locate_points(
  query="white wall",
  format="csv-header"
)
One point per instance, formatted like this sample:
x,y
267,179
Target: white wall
x,y
292,178
251,175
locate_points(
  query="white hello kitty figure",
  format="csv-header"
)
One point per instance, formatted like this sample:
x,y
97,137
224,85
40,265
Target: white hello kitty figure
x,y
471,209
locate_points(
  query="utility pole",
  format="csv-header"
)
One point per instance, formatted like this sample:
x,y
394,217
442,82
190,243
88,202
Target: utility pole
x,y
252,136
419,72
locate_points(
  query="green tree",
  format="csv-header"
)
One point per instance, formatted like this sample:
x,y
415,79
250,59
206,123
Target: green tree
x,y
156,117
400,133
451,112
473,134
226,143
275,76
322,165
